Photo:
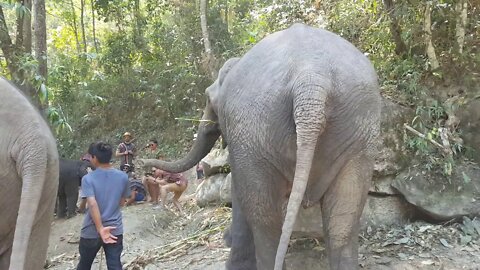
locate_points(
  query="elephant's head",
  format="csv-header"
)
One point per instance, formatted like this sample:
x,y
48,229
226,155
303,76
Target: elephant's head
x,y
84,168
208,129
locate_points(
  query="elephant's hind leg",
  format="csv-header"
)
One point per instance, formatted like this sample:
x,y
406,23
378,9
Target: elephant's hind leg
x,y
240,239
342,206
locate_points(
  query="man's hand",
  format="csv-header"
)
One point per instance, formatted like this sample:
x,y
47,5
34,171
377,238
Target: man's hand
x,y
107,236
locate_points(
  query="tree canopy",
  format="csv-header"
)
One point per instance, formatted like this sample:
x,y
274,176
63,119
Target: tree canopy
x,y
138,65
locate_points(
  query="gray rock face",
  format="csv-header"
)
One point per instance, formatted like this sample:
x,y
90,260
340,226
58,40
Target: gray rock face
x,y
378,211
215,161
470,125
214,190
439,199
391,147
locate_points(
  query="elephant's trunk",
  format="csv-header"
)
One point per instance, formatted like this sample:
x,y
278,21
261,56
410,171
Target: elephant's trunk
x,y
208,133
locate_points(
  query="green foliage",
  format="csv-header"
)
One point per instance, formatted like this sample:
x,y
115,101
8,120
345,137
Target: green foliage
x,y
148,67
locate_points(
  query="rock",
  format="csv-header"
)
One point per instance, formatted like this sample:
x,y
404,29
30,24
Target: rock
x,y
214,190
215,161
386,211
383,186
391,148
226,189
378,211
440,198
309,222
470,126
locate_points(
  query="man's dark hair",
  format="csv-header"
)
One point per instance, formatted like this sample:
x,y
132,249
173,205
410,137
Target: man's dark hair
x,y
154,141
101,150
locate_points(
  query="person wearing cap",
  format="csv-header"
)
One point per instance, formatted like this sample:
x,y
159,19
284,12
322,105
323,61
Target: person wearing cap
x,y
126,151
152,150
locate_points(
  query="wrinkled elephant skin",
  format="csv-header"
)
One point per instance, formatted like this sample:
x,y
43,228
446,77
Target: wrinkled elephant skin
x,y
28,182
300,113
70,177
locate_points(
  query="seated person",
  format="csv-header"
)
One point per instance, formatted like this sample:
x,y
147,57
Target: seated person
x,y
138,192
199,170
171,182
152,187
127,168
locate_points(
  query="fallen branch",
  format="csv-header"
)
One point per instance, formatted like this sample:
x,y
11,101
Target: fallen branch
x,y
423,136
171,248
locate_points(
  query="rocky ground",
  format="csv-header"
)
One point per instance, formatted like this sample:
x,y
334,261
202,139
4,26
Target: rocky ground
x,y
162,239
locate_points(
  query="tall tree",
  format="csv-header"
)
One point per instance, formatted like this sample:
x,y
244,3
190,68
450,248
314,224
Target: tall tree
x,y
74,26
40,32
461,9
400,47
27,27
8,48
209,58
95,44
427,27
82,24
19,25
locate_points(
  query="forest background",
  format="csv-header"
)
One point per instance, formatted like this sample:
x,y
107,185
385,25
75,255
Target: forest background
x,y
98,68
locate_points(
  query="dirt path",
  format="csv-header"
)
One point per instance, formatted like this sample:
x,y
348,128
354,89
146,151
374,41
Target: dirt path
x,y
161,239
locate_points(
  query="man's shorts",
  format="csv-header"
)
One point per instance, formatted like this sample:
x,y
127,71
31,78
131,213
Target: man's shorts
x,y
139,197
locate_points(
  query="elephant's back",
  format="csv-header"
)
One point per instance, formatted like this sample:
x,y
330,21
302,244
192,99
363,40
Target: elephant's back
x,y
258,94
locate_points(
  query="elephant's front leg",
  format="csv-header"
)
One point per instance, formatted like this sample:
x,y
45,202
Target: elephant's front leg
x,y
342,206
61,204
72,198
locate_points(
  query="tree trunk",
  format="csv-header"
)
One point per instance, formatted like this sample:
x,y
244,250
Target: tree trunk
x,y
82,25
40,32
93,27
461,11
19,24
400,47
75,29
138,37
226,14
427,25
209,58
7,47
27,27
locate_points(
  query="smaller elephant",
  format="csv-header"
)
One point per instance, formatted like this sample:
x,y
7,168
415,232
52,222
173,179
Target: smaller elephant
x,y
70,178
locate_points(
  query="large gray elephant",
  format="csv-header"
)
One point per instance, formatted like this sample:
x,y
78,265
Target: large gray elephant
x,y
70,178
300,112
28,182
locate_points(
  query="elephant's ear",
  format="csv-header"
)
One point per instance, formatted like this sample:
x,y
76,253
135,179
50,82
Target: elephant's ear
x,y
222,74
214,89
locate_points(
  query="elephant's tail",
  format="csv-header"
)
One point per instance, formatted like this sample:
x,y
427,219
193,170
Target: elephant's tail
x,y
310,120
32,167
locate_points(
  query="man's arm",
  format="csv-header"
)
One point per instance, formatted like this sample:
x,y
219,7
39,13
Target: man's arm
x,y
104,232
120,151
126,192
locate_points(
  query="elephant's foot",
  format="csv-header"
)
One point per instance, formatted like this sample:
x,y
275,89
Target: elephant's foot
x,y
70,215
241,265
338,262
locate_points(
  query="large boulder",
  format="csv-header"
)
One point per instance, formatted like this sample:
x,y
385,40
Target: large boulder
x,y
391,152
215,162
215,190
439,197
378,211
470,126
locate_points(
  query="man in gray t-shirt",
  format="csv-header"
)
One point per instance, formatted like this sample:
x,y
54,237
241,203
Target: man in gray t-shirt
x,y
106,189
